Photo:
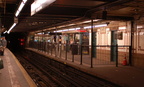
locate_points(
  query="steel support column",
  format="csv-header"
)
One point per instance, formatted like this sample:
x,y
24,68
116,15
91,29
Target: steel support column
x,y
92,43
131,43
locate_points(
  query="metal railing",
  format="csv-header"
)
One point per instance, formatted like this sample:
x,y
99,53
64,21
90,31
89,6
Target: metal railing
x,y
81,54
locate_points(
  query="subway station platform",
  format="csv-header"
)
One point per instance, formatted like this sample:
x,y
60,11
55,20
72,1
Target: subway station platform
x,y
13,74
125,76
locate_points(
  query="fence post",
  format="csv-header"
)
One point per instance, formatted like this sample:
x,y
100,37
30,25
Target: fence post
x,y
48,48
116,55
66,52
72,58
60,49
55,46
51,48
81,54
92,43
130,55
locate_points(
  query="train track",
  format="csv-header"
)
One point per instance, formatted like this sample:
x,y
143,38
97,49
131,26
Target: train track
x,y
47,72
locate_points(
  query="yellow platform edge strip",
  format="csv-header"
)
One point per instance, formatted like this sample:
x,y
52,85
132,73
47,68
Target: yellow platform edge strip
x,y
27,77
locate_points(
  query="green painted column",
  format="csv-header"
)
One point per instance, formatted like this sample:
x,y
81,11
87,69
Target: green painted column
x,y
94,45
80,42
0,25
113,45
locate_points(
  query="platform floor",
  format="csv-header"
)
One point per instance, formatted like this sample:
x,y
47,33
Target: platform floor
x,y
13,74
125,76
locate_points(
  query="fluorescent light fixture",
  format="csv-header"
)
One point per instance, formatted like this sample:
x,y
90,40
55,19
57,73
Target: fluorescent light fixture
x,y
59,31
5,32
87,21
66,30
11,28
139,26
90,21
40,33
17,13
20,7
71,29
78,28
87,27
101,25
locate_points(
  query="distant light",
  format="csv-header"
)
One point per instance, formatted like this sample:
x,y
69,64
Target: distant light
x,y
78,28
139,26
101,25
87,21
90,21
122,28
40,33
87,27
71,29
59,31
66,30
107,29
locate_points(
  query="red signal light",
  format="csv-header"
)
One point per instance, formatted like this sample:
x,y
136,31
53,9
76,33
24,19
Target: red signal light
x,y
21,44
21,40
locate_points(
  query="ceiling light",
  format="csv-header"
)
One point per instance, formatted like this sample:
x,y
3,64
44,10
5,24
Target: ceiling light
x,y
78,28
71,29
11,28
5,31
139,26
20,7
59,31
66,30
101,25
87,27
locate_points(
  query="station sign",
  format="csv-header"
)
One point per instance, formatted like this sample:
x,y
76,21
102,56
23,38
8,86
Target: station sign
x,y
38,5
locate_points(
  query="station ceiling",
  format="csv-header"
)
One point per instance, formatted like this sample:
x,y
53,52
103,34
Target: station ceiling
x,y
62,12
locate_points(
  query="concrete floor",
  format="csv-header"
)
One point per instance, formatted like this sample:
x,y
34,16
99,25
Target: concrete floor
x,y
13,74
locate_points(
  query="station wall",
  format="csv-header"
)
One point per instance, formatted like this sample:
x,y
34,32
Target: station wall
x,y
123,33
138,43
